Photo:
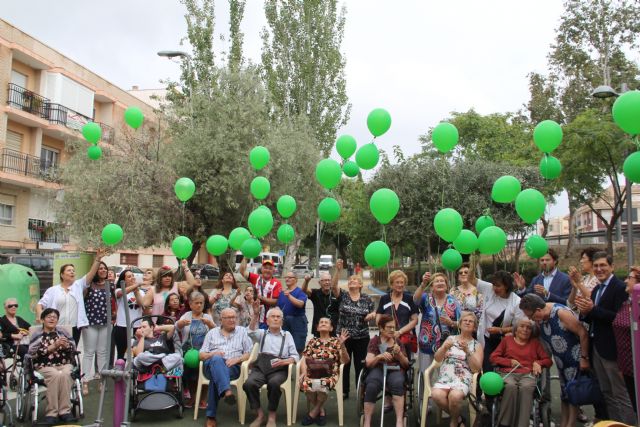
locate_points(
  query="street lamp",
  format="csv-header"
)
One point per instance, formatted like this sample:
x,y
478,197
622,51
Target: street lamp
x,y
603,92
174,54
170,54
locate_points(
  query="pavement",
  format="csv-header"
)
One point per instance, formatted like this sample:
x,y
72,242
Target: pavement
x,y
228,415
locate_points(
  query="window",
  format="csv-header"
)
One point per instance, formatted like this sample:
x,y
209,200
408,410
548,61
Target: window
x,y
18,79
158,261
550,227
129,259
48,158
7,209
14,141
634,215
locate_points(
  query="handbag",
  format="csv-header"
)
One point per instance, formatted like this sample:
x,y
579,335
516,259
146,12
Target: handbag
x,y
583,389
319,368
408,339
157,382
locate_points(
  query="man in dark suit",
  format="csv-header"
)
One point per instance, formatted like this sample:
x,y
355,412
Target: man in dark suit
x,y
599,311
551,284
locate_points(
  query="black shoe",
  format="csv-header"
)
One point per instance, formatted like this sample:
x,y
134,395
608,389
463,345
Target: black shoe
x,y
67,417
230,399
49,421
308,420
321,420
345,396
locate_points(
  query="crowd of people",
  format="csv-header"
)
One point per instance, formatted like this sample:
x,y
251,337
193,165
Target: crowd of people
x,y
504,325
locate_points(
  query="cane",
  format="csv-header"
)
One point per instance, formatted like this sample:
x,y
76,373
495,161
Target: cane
x,y
384,386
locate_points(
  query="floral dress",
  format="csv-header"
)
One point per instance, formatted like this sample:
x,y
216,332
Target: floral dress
x,y
221,303
455,372
319,349
469,301
565,345
431,329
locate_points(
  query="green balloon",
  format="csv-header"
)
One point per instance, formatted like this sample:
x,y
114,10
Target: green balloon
x,y
260,187
536,246
491,240
94,152
466,242
384,205
328,173
286,206
286,234
251,248
237,237
346,145
260,222
631,167
92,132
378,121
445,137
550,167
112,234
547,135
181,247
184,188
350,169
491,383
505,189
530,205
448,224
377,254
21,283
217,245
483,222
367,156
329,210
259,157
626,112
192,358
451,259
134,117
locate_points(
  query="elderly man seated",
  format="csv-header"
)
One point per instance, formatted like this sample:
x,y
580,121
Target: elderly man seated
x,y
52,350
277,351
223,351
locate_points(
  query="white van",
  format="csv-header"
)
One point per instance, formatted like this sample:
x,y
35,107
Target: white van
x,y
325,262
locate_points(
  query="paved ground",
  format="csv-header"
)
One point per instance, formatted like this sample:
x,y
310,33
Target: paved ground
x,y
228,416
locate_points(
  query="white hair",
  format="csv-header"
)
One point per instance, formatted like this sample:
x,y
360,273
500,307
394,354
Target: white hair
x,y
271,310
10,300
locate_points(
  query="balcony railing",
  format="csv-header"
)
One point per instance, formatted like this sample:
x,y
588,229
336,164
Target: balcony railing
x,y
19,163
40,106
44,231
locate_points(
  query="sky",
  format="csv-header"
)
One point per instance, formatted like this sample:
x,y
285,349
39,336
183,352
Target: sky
x,y
419,59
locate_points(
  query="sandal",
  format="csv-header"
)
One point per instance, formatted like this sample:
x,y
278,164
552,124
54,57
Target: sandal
x,y
461,421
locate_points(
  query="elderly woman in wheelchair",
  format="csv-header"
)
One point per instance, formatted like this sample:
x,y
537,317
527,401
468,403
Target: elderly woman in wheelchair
x,y
52,352
386,363
519,359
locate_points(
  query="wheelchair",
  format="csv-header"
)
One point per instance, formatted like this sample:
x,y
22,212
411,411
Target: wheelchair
x,y
11,367
144,398
29,392
6,412
410,394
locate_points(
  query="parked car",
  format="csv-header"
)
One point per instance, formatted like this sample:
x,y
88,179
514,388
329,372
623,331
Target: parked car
x,y
137,273
301,270
207,271
42,265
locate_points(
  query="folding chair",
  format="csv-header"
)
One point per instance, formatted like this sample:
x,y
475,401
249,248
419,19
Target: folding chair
x,y
337,390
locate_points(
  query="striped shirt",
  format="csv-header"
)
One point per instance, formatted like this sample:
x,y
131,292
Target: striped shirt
x,y
273,342
234,345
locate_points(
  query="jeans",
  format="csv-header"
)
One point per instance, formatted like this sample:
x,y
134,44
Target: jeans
x,y
220,376
96,343
298,327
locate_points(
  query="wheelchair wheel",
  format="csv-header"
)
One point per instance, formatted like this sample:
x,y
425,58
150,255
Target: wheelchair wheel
x,y
360,397
6,413
545,412
77,407
32,409
22,393
417,403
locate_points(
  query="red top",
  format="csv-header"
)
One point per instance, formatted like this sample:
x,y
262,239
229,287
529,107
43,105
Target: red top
x,y
509,349
266,289
622,333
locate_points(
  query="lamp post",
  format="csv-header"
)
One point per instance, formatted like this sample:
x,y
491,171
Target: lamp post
x,y
170,54
603,92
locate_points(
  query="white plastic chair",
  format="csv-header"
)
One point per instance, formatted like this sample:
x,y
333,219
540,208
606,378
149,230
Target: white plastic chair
x,y
337,390
426,394
237,383
285,387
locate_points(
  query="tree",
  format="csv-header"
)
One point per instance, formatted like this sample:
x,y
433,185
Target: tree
x,y
302,66
236,12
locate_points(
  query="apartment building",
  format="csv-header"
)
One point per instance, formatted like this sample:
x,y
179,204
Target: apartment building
x,y
45,99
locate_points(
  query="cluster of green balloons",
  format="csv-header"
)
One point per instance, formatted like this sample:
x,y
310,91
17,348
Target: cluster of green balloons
x,y
112,234
259,157
448,224
181,247
530,205
377,254
92,132
550,167
536,246
345,146
384,205
184,189
445,137
134,117
237,237
547,135
505,189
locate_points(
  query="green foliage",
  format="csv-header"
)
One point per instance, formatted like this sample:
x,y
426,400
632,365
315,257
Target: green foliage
x,y
302,66
236,12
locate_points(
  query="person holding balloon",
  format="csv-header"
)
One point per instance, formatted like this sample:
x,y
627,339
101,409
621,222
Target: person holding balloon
x,y
568,340
224,295
461,356
68,296
133,296
267,287
165,285
467,290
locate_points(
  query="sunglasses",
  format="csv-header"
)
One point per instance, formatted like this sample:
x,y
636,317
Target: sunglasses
x,y
12,306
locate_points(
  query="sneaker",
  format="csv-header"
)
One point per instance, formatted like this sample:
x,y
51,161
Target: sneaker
x,y
203,405
186,394
582,417
67,417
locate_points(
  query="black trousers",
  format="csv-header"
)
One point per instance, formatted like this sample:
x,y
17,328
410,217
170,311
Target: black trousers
x,y
75,331
357,349
120,338
273,381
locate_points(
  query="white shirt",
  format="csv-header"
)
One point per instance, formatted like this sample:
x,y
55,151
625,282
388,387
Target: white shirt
x,y
235,344
494,305
135,310
273,342
55,295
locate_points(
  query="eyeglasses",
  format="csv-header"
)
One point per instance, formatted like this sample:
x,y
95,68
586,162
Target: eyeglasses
x,y
390,328
463,272
228,317
12,306
631,276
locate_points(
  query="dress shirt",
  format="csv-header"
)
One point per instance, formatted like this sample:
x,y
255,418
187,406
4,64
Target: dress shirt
x,y
548,278
273,342
234,345
602,289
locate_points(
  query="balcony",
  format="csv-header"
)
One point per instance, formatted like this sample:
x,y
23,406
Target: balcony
x,y
45,231
40,106
18,163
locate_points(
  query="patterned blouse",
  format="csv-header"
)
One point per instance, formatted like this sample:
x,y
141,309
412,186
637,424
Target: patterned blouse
x,y
224,301
95,305
352,314
431,328
61,356
323,350
469,301
622,333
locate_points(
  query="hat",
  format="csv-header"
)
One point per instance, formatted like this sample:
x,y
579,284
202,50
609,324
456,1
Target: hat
x,y
267,261
164,271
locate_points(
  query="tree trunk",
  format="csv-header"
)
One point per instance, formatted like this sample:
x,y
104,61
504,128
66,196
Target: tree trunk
x,y
572,231
545,226
291,254
418,271
610,228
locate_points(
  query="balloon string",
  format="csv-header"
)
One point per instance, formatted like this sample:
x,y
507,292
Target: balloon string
x,y
636,140
183,210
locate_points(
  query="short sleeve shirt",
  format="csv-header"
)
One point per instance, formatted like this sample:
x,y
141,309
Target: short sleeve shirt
x,y
405,310
374,348
287,307
266,289
95,303
352,314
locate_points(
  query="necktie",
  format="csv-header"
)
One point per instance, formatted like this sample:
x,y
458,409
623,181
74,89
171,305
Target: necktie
x,y
600,292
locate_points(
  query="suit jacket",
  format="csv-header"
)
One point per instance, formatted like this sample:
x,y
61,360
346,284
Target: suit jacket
x,y
558,291
601,317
